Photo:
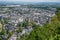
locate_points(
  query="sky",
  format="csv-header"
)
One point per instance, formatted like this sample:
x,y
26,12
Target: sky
x,y
33,0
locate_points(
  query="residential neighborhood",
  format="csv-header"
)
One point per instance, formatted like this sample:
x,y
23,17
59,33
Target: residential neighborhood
x,y
17,21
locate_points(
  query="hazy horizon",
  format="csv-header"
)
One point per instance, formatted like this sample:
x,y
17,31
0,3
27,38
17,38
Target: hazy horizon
x,y
30,0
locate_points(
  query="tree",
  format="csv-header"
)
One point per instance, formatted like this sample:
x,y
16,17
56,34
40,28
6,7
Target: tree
x,y
0,27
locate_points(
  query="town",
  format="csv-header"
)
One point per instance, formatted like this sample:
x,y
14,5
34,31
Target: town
x,y
17,20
